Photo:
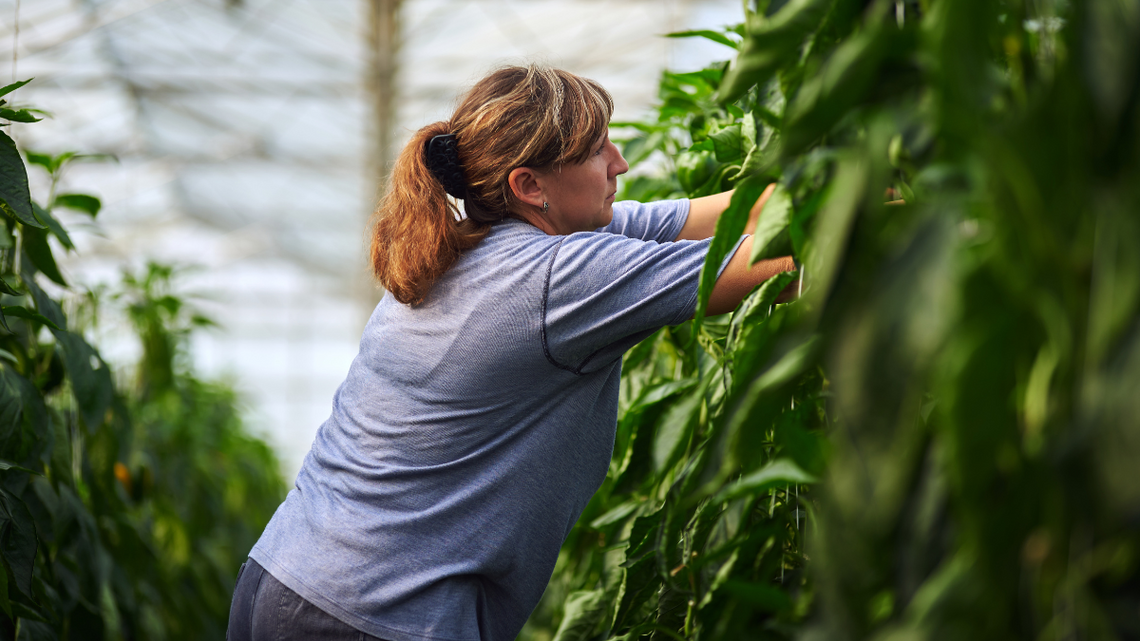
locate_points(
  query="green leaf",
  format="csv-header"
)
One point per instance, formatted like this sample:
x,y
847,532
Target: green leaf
x,y
36,158
53,225
754,310
675,428
772,228
6,465
764,597
720,181
54,163
18,539
802,220
11,403
771,43
723,573
847,78
728,143
715,36
785,370
736,441
90,377
806,447
35,411
7,89
641,579
657,393
33,630
729,228
45,305
5,288
749,132
705,145
584,614
640,422
39,252
15,199
778,473
32,619
18,115
643,536
615,514
20,311
829,242
85,203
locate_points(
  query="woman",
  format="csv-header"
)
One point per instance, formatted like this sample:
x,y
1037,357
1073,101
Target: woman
x,y
478,418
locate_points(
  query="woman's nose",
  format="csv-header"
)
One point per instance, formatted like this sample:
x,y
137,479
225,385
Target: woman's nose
x,y
620,166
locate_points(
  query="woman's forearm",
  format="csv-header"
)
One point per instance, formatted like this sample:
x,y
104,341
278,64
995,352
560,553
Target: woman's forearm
x,y
738,278
706,210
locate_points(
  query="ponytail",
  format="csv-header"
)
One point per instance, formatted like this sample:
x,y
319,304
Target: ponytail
x,y
418,234
515,117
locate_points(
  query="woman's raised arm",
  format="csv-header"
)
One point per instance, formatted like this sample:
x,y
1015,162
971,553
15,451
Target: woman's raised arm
x,y
704,212
738,277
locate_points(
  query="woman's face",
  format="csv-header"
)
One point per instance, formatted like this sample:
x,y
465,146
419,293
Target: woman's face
x,y
581,196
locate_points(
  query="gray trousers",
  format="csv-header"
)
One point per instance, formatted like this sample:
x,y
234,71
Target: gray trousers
x,y
265,610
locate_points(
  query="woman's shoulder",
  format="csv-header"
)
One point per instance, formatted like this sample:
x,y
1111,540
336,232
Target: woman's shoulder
x,y
660,220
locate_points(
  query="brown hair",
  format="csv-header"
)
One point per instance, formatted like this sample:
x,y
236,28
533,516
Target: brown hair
x,y
515,117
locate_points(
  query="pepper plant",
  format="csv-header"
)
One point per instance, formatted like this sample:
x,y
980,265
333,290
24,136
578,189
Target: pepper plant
x,y
127,499
937,439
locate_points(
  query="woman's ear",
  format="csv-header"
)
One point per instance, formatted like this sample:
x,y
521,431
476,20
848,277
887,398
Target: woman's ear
x,y
524,185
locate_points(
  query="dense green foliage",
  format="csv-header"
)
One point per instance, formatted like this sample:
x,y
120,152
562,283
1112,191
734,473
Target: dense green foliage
x,y
959,372
126,506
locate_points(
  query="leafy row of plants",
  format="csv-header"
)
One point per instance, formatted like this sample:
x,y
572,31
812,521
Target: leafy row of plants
x,y
127,499
936,440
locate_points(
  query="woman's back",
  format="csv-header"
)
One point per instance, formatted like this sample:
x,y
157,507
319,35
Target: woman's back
x,y
460,450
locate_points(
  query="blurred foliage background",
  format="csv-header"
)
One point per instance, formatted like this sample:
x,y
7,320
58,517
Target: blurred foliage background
x,y
937,439
128,499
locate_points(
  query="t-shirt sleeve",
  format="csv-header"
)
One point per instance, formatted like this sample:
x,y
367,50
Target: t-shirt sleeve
x,y
606,292
660,221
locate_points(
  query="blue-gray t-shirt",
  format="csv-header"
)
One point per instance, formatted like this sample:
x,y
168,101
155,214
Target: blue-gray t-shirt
x,y
472,429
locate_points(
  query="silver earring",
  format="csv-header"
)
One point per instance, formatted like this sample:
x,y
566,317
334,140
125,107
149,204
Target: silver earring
x,y
545,208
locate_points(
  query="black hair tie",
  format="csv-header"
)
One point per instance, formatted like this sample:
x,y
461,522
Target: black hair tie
x,y
442,155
